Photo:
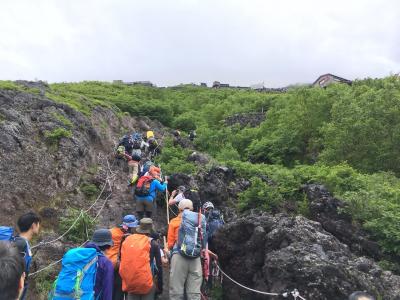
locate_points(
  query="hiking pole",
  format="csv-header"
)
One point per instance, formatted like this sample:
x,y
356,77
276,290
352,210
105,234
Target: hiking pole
x,y
166,200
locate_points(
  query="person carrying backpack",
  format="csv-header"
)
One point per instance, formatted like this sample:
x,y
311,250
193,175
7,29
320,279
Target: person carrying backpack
x,y
187,245
86,274
28,225
146,191
118,235
130,148
153,148
177,195
137,269
101,242
215,221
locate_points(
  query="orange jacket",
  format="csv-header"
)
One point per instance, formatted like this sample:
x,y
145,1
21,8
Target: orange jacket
x,y
173,230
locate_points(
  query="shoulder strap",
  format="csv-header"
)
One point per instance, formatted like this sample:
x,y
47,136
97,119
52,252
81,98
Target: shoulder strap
x,y
120,247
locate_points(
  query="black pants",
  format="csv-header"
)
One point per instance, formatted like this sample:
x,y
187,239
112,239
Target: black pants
x,y
118,294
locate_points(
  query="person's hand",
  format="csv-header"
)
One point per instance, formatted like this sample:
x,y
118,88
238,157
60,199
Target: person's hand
x,y
174,192
166,179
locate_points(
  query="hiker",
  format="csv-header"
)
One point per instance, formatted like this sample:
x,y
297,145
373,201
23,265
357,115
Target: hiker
x,y
130,148
28,225
187,242
177,195
141,268
146,191
361,296
215,221
102,241
118,234
192,135
153,147
12,275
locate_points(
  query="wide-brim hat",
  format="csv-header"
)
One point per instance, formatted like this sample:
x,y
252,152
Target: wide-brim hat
x,y
102,237
130,221
145,226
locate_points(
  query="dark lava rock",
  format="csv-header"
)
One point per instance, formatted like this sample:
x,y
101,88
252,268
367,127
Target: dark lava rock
x,y
327,210
279,253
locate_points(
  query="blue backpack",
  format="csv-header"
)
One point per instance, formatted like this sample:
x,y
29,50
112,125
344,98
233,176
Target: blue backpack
x,y
214,222
189,241
77,277
136,140
6,234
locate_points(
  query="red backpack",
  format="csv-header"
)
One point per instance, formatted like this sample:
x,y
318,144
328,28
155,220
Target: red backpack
x,y
143,186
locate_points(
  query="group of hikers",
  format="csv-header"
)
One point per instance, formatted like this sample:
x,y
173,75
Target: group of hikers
x,y
124,262
127,261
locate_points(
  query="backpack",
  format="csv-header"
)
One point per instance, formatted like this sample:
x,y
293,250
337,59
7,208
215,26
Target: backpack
x,y
136,140
77,277
143,186
146,167
6,234
214,222
135,270
126,141
189,238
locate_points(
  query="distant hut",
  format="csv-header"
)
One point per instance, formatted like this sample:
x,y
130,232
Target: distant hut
x,y
327,79
144,83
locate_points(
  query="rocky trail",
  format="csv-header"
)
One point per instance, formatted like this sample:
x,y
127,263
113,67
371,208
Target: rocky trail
x,y
324,256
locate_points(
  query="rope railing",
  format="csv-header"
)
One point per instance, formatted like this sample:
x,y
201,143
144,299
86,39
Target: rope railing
x,y
82,212
295,293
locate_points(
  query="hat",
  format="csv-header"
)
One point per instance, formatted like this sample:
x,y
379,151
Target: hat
x,y
185,204
181,188
102,237
130,221
145,226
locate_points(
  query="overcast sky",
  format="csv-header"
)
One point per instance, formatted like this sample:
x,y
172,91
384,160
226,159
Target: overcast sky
x,y
168,42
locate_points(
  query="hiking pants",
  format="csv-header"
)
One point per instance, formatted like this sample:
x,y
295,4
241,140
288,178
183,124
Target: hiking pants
x,y
133,168
186,275
118,294
150,296
144,208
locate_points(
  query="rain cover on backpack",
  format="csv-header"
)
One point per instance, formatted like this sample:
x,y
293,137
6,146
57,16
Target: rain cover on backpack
x,y
189,242
135,269
77,277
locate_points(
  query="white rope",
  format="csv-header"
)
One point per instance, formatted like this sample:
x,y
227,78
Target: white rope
x,y
61,236
52,264
107,181
295,293
245,287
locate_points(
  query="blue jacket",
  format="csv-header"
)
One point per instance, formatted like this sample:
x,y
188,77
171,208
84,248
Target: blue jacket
x,y
154,187
104,275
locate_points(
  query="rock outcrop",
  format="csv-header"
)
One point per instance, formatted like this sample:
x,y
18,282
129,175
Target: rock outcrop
x,y
279,253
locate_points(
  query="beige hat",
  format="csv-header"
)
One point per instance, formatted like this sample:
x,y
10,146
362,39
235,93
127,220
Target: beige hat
x,y
185,204
145,226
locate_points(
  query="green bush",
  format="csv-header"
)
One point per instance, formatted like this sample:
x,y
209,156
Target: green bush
x,y
57,134
64,120
90,190
83,228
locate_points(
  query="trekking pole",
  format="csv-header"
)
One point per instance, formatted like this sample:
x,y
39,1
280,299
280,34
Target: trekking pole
x,y
166,201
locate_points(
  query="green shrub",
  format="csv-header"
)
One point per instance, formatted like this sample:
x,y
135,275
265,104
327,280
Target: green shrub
x,y
57,134
83,228
90,190
64,120
260,194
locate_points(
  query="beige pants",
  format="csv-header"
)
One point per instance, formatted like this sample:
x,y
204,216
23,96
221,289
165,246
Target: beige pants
x,y
149,296
133,168
186,274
